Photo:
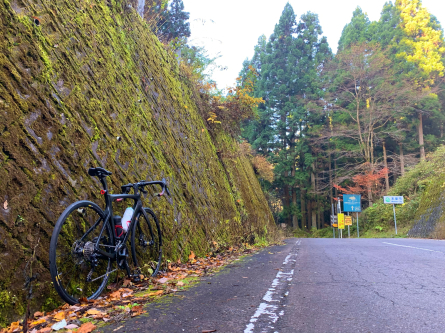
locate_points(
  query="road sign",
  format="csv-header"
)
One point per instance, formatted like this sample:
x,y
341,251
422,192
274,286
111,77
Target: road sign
x,y
334,221
348,220
352,203
393,199
341,221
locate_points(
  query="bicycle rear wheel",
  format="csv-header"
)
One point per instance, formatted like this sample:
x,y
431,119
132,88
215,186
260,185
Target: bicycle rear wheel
x,y
146,244
77,271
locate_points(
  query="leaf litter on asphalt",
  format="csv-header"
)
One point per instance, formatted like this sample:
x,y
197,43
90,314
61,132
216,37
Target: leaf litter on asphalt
x,y
127,298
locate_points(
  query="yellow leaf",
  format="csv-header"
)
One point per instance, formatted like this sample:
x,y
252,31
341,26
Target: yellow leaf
x,y
59,316
155,293
94,312
38,322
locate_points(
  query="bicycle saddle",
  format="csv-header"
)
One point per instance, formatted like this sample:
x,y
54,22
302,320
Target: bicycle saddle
x,y
98,172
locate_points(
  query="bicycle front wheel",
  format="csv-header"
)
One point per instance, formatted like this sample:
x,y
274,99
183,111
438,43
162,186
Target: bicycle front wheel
x,y
77,270
146,244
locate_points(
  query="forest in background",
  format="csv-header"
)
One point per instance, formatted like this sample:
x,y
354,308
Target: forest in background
x,y
350,122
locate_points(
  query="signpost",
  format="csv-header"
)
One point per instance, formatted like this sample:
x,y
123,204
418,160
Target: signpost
x,y
348,222
352,203
341,221
393,200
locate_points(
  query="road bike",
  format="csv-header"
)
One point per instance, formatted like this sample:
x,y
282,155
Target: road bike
x,y
87,246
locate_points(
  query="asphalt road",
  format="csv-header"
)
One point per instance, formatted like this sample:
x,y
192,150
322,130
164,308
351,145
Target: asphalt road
x,y
313,285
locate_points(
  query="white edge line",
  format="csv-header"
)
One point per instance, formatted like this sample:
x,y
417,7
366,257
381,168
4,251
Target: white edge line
x,y
412,247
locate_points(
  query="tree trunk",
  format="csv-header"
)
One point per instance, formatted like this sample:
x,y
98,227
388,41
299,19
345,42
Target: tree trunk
x,y
335,179
313,206
371,169
402,160
385,161
330,180
294,204
303,208
314,216
309,214
286,199
420,130
294,200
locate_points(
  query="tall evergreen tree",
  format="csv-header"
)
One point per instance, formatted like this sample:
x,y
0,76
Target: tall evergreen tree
x,y
288,65
173,23
357,31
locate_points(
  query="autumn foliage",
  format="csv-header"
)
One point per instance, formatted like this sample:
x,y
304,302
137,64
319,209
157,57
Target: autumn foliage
x,y
368,182
263,168
238,105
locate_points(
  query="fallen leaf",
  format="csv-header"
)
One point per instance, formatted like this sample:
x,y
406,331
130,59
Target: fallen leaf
x,y
86,328
59,316
59,325
127,282
5,205
38,322
45,330
14,326
95,312
192,255
208,331
71,326
163,280
180,283
38,314
156,293
115,295
75,308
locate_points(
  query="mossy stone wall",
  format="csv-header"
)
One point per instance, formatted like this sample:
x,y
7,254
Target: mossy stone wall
x,y
74,76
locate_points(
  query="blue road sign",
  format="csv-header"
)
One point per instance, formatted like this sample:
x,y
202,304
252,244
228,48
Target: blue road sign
x,y
352,203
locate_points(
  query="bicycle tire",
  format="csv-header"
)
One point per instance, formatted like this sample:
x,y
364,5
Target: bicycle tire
x,y
71,251
146,244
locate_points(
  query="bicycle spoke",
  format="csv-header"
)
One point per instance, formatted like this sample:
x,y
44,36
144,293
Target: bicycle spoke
x,y
74,252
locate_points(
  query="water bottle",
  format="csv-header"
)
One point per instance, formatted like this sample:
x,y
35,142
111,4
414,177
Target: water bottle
x,y
126,219
118,230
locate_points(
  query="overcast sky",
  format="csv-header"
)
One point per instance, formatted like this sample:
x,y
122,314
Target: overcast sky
x,y
232,27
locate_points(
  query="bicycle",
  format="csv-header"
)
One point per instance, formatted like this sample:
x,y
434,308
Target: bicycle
x,y
84,243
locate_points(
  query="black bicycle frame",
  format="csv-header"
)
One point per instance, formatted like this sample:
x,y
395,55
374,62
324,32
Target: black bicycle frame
x,y
109,198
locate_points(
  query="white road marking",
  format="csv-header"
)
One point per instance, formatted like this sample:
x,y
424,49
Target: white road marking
x,y
412,247
268,311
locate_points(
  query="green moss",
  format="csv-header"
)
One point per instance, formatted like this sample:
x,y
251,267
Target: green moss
x,y
90,77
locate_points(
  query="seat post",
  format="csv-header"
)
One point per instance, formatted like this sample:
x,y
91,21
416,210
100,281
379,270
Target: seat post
x,y
103,180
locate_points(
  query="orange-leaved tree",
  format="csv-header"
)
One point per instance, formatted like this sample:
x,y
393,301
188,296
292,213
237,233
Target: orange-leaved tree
x,y
369,184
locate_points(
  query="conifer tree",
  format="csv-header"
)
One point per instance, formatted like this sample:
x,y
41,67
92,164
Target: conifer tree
x,y
173,23
288,65
357,31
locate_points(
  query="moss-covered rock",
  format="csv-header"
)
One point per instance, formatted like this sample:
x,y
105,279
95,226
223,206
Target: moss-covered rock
x,y
74,76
